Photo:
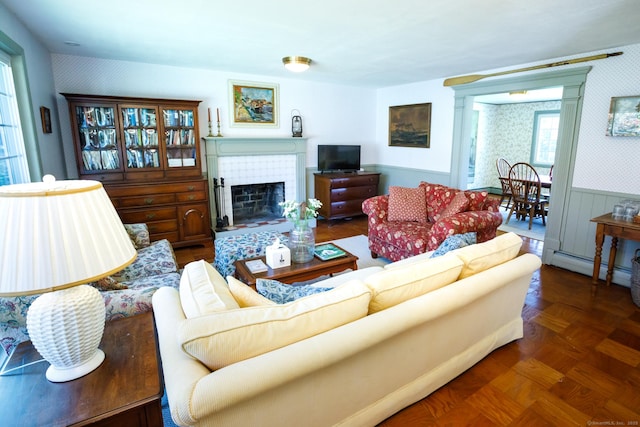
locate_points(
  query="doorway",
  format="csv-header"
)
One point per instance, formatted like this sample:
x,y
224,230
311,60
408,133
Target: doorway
x,y
572,81
505,126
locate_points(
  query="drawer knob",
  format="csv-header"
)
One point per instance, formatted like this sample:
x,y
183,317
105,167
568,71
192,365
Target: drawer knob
x,y
191,188
148,201
191,197
150,216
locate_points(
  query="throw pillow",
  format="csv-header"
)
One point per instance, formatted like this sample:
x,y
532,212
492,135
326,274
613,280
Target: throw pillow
x,y
108,284
458,204
244,295
476,199
203,290
139,235
455,241
395,285
226,337
480,257
281,293
407,204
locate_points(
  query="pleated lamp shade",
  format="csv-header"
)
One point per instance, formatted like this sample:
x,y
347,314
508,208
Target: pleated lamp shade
x,y
56,235
59,234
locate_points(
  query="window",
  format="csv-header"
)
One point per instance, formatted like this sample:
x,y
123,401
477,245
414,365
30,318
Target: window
x,y
545,137
13,161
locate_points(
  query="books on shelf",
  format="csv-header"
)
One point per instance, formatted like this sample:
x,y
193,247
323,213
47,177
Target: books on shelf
x,y
328,251
256,266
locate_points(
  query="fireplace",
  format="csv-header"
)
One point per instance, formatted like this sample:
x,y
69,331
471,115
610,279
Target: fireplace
x,y
257,203
254,161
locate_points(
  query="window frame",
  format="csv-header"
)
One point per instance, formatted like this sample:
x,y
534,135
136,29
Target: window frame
x,y
535,140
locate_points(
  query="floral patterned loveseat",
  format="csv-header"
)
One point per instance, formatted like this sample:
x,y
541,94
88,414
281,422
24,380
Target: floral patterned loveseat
x,y
126,293
411,221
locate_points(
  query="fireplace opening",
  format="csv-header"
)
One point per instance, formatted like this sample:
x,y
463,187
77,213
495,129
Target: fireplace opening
x,y
254,203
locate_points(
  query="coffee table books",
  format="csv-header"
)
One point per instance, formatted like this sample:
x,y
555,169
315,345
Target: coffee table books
x,y
256,266
328,251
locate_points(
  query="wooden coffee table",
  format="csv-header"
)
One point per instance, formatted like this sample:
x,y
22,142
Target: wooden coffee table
x,y
124,391
297,272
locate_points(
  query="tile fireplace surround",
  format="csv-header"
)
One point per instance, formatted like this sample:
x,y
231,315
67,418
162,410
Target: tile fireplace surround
x,y
242,161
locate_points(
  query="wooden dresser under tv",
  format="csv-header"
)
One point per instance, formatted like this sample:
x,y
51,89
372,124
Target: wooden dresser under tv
x,y
342,193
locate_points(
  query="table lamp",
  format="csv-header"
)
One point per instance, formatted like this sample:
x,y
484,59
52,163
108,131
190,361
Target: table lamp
x,y
56,236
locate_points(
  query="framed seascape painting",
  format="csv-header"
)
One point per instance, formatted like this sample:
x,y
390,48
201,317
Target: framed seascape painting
x,y
410,125
624,116
253,104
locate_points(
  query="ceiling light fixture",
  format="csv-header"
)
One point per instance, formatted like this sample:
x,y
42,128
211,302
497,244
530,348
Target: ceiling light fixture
x,y
297,64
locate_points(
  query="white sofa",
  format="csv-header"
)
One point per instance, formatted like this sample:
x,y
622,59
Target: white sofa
x,y
384,356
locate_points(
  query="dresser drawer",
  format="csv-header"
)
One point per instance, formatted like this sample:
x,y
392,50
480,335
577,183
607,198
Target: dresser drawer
x,y
194,196
346,208
348,193
157,227
354,181
150,200
147,215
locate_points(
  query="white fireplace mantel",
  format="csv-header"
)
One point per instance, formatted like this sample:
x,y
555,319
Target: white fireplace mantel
x,y
217,147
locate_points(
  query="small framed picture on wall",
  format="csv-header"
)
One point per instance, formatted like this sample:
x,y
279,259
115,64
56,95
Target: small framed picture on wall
x,y
45,116
253,104
624,116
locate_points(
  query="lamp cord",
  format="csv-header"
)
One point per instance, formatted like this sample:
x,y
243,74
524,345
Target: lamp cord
x,y
3,372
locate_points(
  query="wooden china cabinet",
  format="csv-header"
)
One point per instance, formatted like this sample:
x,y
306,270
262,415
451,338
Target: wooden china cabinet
x,y
146,152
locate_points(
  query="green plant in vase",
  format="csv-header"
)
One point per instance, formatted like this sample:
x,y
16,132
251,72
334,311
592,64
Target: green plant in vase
x,y
301,238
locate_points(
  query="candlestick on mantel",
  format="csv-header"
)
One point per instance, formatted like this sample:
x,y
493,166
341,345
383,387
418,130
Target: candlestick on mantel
x,y
218,115
209,111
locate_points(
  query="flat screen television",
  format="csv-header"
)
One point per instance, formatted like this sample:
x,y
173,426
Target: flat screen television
x,y
338,158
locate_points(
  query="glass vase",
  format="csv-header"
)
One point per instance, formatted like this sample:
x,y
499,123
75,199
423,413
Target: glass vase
x,y
302,243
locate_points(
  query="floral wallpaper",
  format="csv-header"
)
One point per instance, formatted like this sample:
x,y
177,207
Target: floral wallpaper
x,y
504,131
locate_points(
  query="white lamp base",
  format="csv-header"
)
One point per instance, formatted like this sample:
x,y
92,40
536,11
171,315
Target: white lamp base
x,y
59,375
66,328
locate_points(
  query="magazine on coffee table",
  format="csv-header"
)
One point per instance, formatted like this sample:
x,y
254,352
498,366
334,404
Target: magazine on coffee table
x,y
328,251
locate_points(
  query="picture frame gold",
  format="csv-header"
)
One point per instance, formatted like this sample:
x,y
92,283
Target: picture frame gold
x,y
45,117
254,104
624,116
410,125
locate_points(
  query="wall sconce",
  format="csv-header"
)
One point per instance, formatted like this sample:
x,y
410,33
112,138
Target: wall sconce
x,y
297,64
296,123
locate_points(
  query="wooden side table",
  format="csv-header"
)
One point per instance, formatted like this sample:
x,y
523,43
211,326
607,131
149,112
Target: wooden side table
x,y
617,229
124,391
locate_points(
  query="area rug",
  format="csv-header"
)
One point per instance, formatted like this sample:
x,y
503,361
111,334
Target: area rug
x,y
521,228
359,246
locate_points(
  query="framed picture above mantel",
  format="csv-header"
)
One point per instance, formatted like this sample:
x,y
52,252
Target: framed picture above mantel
x,y
410,125
254,104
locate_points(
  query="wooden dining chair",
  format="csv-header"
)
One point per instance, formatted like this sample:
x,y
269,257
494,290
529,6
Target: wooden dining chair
x,y
526,189
504,167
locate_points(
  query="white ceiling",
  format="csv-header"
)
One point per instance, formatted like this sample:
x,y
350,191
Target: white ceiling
x,y
373,43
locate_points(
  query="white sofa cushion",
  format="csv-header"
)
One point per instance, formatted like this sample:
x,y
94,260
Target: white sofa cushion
x,y
244,295
482,256
222,338
203,290
395,285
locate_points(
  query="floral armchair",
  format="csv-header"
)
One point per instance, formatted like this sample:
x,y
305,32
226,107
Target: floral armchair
x,y
125,293
408,222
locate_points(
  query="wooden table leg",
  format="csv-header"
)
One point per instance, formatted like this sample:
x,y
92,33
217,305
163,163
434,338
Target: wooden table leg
x,y
598,258
612,259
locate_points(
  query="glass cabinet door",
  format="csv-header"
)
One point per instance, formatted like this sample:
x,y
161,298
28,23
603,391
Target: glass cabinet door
x,y
179,137
97,133
140,129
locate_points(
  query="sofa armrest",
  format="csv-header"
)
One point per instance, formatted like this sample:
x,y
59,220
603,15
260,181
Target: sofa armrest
x,y
377,207
139,234
157,258
484,223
